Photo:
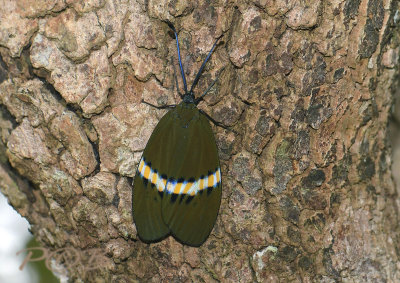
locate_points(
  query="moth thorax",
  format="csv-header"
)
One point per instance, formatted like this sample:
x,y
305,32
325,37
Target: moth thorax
x,y
189,97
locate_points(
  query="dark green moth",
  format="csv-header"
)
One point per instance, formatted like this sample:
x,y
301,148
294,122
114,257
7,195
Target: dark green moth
x,y
177,187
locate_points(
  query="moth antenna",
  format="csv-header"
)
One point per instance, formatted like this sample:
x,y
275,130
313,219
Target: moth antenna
x,y
203,65
176,80
179,55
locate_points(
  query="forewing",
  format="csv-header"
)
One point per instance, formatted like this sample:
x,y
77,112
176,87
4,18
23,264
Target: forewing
x,y
191,219
146,207
191,215
146,199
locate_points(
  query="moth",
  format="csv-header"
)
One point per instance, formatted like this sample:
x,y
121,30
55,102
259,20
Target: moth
x,y
177,187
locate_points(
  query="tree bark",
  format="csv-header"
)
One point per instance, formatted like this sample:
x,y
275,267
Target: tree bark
x,y
307,90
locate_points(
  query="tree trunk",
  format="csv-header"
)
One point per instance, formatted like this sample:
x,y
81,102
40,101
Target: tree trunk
x,y
306,94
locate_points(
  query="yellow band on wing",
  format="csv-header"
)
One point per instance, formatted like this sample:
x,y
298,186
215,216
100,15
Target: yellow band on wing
x,y
212,180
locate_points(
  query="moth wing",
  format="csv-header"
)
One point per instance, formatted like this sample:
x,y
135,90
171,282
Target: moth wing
x,y
146,207
178,150
146,200
191,218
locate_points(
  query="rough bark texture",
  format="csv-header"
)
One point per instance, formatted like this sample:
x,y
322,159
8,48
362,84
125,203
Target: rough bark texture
x,y
307,188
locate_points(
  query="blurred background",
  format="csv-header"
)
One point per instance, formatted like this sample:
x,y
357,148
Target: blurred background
x,y
14,237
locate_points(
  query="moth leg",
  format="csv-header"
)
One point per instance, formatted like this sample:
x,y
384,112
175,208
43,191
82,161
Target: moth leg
x,y
159,107
216,123
208,89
